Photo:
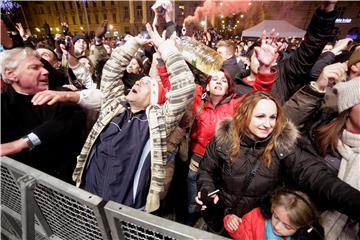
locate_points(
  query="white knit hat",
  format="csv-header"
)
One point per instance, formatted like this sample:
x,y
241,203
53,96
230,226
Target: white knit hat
x,y
348,93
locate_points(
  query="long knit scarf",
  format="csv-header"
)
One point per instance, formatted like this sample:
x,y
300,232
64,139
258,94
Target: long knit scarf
x,y
336,225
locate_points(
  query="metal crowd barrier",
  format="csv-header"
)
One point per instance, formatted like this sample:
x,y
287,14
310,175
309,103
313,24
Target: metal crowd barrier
x,y
35,205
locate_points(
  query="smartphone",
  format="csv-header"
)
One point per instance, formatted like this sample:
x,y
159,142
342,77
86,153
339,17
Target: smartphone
x,y
213,192
67,43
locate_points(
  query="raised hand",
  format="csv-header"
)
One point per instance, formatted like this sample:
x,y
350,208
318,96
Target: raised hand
x,y
100,32
68,47
331,74
21,30
155,36
267,53
341,45
328,6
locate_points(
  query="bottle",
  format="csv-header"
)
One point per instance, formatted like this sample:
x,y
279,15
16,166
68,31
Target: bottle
x,y
199,55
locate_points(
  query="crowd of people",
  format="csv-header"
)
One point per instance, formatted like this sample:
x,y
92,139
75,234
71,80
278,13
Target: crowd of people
x,y
267,147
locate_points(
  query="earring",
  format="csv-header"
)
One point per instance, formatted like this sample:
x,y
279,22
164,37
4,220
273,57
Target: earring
x,y
309,230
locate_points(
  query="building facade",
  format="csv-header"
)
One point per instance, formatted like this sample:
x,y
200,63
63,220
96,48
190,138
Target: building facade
x,y
130,16
85,16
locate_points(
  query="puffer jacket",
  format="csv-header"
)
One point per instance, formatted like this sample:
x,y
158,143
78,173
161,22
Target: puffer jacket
x,y
292,165
203,129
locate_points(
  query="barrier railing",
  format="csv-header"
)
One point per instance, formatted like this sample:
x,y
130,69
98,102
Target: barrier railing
x,y
35,205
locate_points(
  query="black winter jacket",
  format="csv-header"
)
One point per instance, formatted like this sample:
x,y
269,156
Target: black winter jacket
x,y
292,165
293,72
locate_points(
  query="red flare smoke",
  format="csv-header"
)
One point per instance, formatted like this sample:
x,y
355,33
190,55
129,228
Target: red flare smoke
x,y
210,8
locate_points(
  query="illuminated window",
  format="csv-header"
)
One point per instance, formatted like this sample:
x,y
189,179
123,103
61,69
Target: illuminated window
x,y
96,19
114,17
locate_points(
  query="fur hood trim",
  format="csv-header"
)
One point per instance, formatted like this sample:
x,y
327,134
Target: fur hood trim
x,y
286,141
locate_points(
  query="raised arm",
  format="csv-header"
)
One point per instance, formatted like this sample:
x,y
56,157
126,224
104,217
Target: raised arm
x,y
181,79
293,71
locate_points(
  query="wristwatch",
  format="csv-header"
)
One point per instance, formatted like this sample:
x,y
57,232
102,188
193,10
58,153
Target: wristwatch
x,y
29,143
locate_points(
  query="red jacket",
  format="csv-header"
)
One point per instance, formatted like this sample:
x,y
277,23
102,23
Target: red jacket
x,y
252,226
203,128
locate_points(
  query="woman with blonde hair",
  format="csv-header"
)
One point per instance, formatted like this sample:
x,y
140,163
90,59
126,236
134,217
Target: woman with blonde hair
x,y
252,154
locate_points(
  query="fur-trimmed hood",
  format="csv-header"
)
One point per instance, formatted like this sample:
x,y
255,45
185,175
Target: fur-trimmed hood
x,y
286,141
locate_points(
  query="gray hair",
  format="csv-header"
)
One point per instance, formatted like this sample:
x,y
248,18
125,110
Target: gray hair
x,y
10,59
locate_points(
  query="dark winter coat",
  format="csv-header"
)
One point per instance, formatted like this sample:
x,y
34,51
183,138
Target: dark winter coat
x,y
297,167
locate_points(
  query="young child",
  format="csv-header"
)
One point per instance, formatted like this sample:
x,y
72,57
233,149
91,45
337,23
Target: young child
x,y
291,216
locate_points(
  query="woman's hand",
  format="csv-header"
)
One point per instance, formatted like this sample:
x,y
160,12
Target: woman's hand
x,y
215,198
267,53
233,222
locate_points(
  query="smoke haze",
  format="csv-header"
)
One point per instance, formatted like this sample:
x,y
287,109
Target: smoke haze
x,y
210,8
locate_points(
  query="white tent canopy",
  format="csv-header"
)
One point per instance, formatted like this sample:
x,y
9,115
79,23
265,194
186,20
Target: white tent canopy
x,y
282,27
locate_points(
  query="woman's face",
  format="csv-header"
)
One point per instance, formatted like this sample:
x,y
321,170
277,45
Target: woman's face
x,y
133,67
281,222
218,84
353,122
263,119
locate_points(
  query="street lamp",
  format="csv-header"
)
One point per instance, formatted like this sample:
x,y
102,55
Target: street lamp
x,y
111,27
57,29
81,28
37,29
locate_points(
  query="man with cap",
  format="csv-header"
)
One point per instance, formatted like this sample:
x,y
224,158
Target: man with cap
x,y
124,156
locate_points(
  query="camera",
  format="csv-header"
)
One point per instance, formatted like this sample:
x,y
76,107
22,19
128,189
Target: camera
x,y
67,43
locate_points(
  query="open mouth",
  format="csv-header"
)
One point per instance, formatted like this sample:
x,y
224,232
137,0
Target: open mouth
x,y
218,88
134,91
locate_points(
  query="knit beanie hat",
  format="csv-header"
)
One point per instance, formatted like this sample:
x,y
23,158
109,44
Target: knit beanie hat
x,y
348,94
355,57
78,37
157,95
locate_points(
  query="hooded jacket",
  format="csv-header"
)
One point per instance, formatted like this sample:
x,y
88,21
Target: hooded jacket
x,y
291,165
